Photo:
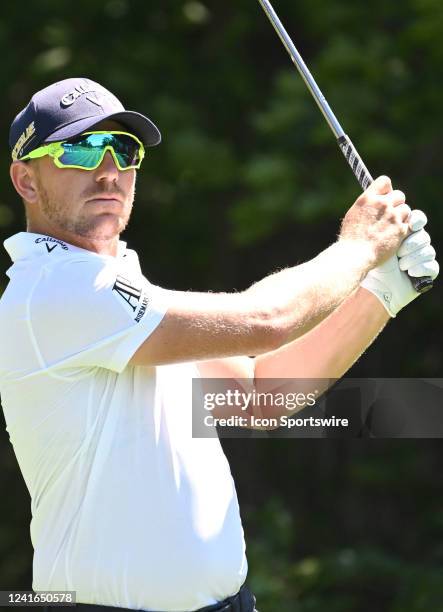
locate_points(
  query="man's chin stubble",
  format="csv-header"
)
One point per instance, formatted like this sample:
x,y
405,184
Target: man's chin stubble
x,y
99,229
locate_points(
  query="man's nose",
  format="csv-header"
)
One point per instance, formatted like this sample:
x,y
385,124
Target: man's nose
x,y
107,169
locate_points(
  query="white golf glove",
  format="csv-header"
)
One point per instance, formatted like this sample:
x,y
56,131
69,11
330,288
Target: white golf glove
x,y
416,256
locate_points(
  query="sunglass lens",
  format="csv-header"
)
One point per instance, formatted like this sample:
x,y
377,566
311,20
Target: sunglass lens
x,y
80,154
126,149
87,151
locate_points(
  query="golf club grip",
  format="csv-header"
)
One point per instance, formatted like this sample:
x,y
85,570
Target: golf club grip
x,y
361,173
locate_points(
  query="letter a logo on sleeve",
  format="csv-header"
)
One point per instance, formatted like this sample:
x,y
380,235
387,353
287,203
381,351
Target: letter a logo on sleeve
x,y
128,292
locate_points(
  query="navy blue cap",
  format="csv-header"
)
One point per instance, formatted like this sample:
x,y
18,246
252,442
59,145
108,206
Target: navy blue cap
x,y
68,108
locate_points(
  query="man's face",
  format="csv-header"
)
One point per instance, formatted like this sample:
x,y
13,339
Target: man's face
x,y
94,204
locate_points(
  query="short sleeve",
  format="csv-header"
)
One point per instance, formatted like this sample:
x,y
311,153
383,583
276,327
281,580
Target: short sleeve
x,y
86,313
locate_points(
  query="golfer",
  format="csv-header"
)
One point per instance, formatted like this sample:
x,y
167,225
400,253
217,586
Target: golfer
x,y
96,363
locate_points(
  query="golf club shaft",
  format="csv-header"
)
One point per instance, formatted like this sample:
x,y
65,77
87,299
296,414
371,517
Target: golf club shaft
x,y
354,160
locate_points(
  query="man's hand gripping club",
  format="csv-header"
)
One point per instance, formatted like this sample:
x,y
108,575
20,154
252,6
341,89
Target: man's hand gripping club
x,y
378,220
389,280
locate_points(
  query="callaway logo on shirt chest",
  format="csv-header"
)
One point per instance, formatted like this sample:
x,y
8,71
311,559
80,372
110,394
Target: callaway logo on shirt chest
x,y
51,243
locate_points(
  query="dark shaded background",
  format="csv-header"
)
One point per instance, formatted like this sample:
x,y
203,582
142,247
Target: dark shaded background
x,y
248,179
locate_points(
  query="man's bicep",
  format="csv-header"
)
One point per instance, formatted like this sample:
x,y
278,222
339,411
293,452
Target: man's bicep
x,y
204,326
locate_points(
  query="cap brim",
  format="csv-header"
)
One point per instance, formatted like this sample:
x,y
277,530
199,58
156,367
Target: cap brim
x,y
142,127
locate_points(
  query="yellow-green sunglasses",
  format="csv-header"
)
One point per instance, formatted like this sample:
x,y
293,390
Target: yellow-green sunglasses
x,y
86,151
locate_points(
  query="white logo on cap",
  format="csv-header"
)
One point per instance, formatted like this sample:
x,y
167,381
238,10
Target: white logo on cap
x,y
96,98
70,97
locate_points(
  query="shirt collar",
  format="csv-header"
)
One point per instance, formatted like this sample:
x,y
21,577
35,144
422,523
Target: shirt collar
x,y
26,245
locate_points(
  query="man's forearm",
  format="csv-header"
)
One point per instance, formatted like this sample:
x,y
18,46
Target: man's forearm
x,y
267,316
331,348
305,295
328,350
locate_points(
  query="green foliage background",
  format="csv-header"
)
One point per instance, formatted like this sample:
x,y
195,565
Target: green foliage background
x,y
248,179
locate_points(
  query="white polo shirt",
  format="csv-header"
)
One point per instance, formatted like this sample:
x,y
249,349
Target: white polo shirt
x,y
128,509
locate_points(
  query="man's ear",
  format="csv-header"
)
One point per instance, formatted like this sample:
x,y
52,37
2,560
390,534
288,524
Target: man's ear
x,y
24,180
